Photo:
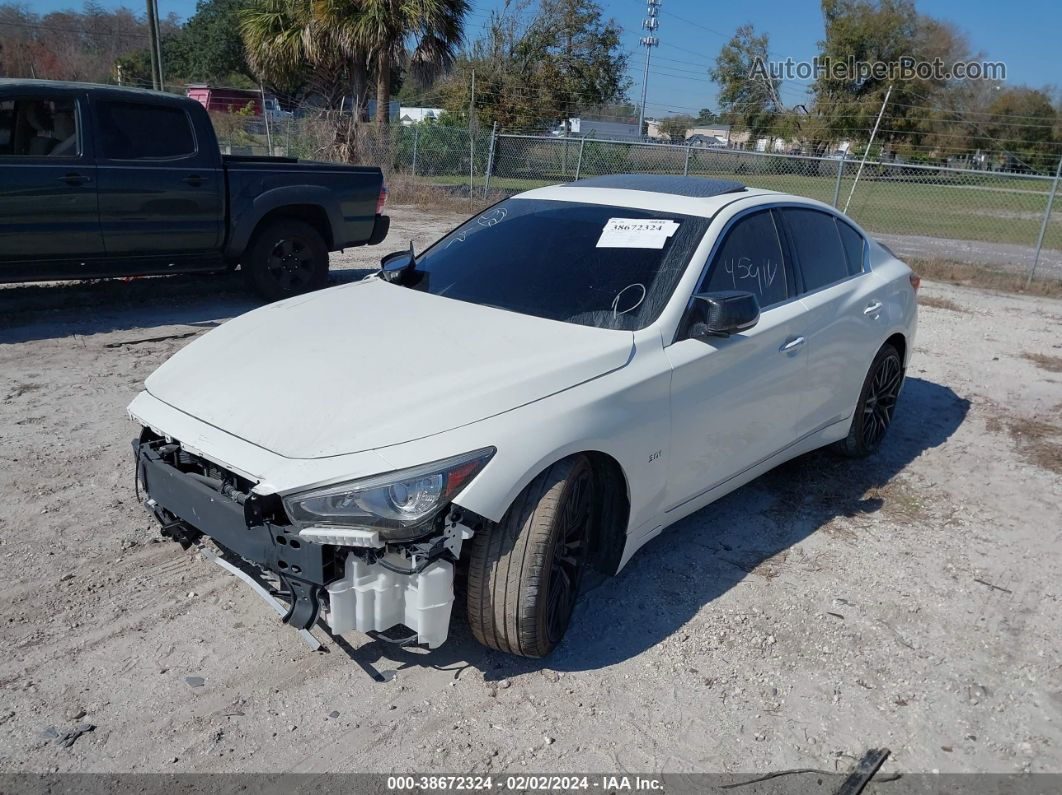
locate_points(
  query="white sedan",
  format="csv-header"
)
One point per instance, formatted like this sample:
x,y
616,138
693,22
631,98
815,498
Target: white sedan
x,y
545,388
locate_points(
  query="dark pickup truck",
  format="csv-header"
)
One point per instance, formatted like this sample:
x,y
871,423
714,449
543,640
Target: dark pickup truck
x,y
102,181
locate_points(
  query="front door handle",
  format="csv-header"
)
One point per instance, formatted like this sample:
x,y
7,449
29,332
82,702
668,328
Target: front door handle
x,y
194,180
872,308
73,178
792,344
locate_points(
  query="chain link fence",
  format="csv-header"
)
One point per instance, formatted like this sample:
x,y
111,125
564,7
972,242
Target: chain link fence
x,y
998,220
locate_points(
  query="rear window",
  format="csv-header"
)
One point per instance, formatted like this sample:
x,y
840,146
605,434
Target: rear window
x,y
595,265
818,247
134,131
855,248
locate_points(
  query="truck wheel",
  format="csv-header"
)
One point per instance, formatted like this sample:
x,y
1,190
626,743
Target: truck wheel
x,y
285,259
524,573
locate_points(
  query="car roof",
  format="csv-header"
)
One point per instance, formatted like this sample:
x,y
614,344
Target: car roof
x,y
665,193
698,187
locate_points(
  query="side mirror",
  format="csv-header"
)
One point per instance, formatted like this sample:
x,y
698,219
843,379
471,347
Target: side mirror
x,y
724,313
394,266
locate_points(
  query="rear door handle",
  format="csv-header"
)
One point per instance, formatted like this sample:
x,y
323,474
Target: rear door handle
x,y
73,178
792,345
872,308
194,180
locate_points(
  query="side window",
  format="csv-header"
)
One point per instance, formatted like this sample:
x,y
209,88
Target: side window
x,y
32,127
750,259
818,247
7,127
134,131
855,248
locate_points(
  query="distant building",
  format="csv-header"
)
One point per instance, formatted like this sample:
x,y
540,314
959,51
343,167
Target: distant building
x,y
720,131
392,109
708,141
410,116
583,127
226,100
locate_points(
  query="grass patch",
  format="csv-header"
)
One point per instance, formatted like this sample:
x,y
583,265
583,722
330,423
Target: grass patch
x,y
402,189
1053,364
966,275
1039,441
941,303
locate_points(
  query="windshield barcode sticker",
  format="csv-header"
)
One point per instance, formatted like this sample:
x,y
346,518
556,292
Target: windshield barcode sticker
x,y
636,233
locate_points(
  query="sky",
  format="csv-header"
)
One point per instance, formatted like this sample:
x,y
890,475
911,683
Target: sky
x,y
1023,34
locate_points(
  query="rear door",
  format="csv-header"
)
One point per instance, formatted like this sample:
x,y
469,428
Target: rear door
x,y
161,193
48,204
736,401
843,323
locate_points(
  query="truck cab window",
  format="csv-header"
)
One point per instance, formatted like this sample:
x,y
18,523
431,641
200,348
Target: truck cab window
x,y
135,131
38,128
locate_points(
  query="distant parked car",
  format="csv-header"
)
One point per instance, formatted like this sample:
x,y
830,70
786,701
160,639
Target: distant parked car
x,y
104,181
545,388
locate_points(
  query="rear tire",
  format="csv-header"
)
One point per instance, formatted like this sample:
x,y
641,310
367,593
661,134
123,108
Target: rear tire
x,y
286,258
524,573
877,403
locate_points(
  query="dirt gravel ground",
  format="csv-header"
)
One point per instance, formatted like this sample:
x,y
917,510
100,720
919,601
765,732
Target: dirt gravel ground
x,y
909,601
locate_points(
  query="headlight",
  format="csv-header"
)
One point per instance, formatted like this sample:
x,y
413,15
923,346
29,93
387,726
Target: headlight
x,y
396,504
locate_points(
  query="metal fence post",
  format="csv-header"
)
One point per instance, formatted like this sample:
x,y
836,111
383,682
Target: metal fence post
x,y
686,165
416,138
579,162
1043,226
490,158
840,173
265,117
471,163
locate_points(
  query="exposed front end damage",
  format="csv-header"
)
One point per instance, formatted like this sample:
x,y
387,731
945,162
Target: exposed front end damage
x,y
346,579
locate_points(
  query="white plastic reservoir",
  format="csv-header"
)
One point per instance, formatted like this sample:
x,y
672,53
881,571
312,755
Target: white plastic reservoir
x,y
372,598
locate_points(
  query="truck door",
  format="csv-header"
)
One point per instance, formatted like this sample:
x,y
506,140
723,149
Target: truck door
x,y
48,205
161,190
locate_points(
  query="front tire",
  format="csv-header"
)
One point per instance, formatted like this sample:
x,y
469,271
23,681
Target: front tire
x,y
286,258
524,573
877,403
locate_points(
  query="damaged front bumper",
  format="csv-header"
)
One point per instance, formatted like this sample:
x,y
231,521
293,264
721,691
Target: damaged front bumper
x,y
364,589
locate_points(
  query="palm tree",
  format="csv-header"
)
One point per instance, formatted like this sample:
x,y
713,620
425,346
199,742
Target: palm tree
x,y
288,44
285,37
381,29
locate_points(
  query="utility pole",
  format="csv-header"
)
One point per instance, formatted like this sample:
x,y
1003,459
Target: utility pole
x,y
158,44
650,23
153,44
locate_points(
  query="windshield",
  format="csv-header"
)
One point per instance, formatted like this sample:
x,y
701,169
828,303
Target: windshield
x,y
591,264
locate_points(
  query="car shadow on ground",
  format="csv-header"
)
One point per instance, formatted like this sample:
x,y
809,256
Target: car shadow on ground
x,y
51,310
743,535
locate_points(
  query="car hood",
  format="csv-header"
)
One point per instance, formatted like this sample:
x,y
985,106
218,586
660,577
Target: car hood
x,y
372,364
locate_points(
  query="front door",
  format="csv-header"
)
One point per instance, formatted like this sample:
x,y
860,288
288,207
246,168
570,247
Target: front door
x,y
48,205
159,193
735,401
